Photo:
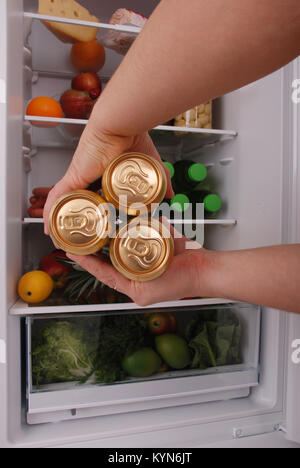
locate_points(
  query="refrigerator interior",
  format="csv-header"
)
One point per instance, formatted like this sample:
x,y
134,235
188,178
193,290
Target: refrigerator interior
x,y
246,165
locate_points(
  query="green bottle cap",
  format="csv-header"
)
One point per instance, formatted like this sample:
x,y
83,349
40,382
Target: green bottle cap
x,y
212,203
180,202
197,172
171,168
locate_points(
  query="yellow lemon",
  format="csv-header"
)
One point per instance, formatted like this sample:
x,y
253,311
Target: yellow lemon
x,y
35,286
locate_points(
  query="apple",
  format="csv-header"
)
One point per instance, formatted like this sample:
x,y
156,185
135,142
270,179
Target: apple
x,y
162,323
55,269
86,82
95,93
76,104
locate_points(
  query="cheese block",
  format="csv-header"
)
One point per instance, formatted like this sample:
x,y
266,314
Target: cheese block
x,y
72,10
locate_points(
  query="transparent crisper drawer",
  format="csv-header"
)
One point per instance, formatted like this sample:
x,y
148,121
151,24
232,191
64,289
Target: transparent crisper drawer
x,y
93,364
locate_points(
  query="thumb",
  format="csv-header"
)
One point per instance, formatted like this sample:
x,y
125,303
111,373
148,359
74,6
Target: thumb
x,y
65,185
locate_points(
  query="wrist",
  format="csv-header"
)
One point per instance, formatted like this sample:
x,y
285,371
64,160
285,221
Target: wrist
x,y
208,274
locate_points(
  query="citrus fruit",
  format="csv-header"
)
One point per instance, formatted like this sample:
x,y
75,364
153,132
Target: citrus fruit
x,y
35,286
44,107
174,350
88,56
142,363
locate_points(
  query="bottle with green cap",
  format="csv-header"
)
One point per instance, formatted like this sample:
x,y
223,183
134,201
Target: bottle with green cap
x,y
180,203
170,166
212,203
188,175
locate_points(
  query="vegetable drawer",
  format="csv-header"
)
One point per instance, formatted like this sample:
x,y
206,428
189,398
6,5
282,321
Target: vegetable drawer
x,y
84,365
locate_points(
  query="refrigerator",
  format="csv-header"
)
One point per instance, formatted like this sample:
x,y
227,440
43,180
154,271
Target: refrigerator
x,y
253,158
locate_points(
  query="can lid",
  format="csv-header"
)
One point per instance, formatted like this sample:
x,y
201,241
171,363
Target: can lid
x,y
197,172
142,250
133,181
212,203
79,222
180,202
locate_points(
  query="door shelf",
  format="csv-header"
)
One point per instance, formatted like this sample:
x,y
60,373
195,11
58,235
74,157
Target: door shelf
x,y
20,308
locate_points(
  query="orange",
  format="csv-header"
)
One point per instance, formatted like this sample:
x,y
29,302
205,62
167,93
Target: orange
x,y
44,107
88,56
35,286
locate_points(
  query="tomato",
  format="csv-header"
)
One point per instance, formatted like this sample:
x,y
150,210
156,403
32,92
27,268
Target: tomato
x,y
162,323
142,363
88,56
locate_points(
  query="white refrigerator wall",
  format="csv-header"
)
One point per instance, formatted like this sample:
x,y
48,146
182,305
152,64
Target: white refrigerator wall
x,y
252,174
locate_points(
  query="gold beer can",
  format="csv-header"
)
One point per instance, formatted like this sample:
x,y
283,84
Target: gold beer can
x,y
133,181
142,250
79,223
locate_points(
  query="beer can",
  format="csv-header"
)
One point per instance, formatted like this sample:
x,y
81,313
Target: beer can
x,y
133,182
79,223
142,250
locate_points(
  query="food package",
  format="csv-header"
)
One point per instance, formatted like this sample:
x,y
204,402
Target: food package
x,y
198,117
69,33
121,41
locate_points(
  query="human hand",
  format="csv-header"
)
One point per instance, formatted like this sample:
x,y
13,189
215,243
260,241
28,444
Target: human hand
x,y
187,276
94,152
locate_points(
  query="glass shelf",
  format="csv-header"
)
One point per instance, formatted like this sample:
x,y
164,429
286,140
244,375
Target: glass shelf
x,y
223,222
21,308
56,19
68,132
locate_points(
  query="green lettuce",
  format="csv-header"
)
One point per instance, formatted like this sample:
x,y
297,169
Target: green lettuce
x,y
64,351
215,339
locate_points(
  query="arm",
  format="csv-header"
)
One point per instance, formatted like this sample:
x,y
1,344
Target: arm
x,y
187,53
268,276
190,52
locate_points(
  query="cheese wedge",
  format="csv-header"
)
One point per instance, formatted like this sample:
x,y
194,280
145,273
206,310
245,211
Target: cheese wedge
x,y
72,10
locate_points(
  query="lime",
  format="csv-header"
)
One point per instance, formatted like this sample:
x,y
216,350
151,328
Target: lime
x,y
142,363
174,350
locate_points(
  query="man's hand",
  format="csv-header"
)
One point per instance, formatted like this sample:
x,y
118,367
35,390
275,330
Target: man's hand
x,y
186,277
95,151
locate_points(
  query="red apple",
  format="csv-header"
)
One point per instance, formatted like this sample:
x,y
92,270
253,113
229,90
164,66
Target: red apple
x,y
95,93
55,269
86,82
76,104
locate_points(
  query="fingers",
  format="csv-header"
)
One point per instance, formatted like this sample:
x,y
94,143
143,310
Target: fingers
x,y
104,272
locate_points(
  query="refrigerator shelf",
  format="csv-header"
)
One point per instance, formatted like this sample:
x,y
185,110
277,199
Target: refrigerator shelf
x,y
20,308
165,128
220,222
115,27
